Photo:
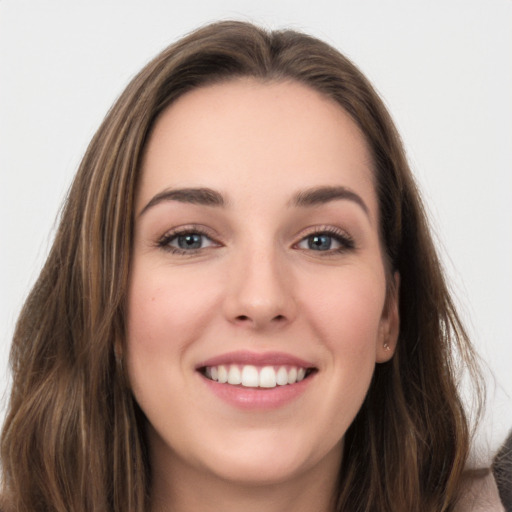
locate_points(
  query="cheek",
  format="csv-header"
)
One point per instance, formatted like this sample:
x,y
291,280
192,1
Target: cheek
x,y
166,309
344,312
351,303
348,319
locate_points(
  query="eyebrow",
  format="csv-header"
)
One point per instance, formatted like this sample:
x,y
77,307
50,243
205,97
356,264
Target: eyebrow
x,y
201,196
317,196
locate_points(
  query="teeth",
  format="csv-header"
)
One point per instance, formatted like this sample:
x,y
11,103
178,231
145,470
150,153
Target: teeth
x,y
222,374
268,377
282,376
234,375
250,378
254,377
292,375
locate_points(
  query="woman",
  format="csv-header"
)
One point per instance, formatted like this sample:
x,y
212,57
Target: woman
x,y
243,307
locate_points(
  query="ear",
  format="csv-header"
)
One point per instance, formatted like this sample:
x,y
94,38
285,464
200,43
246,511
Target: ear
x,y
389,323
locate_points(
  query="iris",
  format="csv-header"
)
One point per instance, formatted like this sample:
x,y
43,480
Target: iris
x,y
320,242
190,241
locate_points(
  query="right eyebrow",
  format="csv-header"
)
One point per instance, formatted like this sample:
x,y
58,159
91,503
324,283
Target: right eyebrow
x,y
202,196
320,195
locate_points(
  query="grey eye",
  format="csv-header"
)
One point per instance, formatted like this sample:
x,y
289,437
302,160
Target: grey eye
x,y
326,242
189,241
319,242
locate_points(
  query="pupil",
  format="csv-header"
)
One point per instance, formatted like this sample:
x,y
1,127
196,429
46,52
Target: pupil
x,y
191,241
320,242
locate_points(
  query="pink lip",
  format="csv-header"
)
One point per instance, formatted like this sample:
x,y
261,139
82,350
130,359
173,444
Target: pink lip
x,y
256,359
257,398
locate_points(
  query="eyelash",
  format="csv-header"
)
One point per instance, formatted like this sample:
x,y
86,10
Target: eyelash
x,y
344,239
346,242
164,242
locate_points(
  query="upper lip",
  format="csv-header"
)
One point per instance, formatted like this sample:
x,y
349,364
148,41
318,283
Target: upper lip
x,y
256,359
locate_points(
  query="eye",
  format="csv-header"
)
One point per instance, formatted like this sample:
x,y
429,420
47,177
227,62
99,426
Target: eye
x,y
327,241
186,241
319,242
189,241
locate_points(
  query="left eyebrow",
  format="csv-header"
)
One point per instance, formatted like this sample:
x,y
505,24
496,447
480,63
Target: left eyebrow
x,y
202,196
320,195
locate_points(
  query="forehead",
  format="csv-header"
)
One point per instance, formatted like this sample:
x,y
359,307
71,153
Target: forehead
x,y
259,137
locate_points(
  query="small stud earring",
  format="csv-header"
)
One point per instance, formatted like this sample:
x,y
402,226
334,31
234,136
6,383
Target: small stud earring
x,y
386,346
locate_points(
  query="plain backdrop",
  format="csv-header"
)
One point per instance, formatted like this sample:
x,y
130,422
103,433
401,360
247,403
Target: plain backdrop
x,y
444,69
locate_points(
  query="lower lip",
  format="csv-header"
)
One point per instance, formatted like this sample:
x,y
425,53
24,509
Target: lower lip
x,y
258,398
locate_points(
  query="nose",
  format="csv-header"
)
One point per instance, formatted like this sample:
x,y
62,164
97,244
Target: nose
x,y
260,292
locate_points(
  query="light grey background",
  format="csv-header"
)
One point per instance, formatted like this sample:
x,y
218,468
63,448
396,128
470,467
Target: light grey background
x,y
444,68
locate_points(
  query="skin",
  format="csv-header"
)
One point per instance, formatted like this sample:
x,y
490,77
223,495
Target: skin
x,y
255,285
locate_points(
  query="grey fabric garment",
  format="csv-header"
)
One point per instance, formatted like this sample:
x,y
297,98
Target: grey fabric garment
x,y
502,469
480,493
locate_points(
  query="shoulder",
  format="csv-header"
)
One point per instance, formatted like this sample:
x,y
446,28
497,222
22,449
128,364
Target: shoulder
x,y
479,493
502,469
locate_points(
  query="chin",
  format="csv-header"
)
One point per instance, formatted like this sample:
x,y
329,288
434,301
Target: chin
x,y
264,464
258,473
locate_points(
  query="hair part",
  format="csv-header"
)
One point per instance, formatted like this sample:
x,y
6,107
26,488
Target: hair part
x,y
74,437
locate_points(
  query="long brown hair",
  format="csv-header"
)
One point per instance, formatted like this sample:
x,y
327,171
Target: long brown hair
x,y
73,438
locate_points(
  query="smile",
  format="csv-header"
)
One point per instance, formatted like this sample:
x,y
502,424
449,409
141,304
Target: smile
x,y
253,376
257,381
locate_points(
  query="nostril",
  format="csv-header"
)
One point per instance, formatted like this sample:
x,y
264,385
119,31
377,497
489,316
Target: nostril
x,y
245,318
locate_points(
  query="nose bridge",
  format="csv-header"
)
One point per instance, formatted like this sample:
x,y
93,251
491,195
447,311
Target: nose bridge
x,y
260,287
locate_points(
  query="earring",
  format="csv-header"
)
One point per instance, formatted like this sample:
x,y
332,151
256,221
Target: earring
x,y
386,346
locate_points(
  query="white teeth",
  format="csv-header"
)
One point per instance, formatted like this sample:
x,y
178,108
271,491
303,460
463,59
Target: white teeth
x,y
234,375
222,374
292,375
252,376
282,376
267,377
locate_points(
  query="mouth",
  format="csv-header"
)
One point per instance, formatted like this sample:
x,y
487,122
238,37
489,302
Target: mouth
x,y
257,381
252,376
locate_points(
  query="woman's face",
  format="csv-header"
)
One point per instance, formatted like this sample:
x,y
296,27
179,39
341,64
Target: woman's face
x,y
256,259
